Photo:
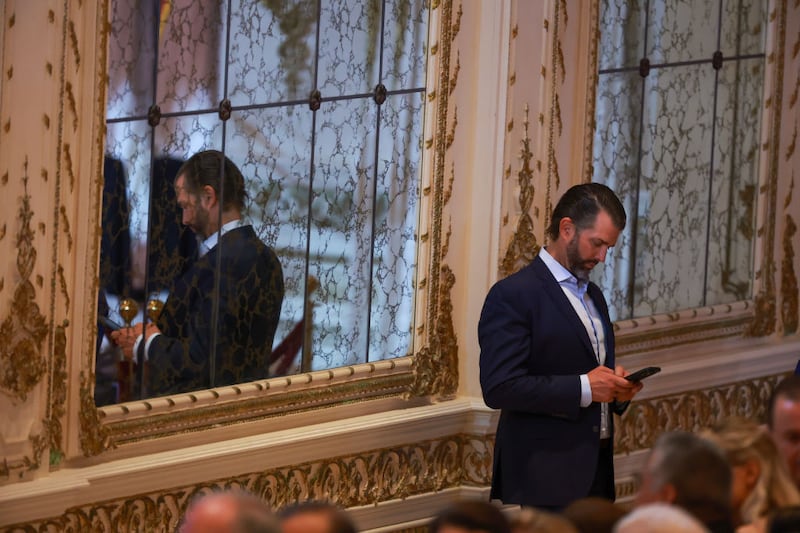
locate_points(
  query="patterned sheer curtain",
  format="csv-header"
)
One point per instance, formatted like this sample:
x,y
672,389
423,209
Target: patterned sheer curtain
x,y
320,104
678,116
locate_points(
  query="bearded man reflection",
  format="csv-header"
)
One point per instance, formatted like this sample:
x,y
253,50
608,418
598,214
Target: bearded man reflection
x,y
214,330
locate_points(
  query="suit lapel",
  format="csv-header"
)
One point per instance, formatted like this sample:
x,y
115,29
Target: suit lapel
x,y
562,304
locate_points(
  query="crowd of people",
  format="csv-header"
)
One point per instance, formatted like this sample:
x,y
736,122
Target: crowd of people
x,y
737,476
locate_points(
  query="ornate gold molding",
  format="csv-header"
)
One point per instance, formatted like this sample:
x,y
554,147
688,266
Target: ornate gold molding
x,y
591,90
645,420
555,123
789,289
58,395
436,364
523,246
23,331
765,301
365,478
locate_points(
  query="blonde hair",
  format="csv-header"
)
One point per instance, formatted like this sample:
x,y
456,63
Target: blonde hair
x,y
742,441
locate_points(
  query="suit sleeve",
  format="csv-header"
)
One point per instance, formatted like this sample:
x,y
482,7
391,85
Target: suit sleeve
x,y
519,359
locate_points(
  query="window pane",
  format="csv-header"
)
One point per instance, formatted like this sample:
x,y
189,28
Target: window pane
x,y
404,44
395,222
131,59
349,47
341,230
735,181
190,70
743,23
272,51
622,34
682,30
616,163
674,190
273,146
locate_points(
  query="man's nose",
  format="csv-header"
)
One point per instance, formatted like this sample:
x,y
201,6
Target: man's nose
x,y
601,256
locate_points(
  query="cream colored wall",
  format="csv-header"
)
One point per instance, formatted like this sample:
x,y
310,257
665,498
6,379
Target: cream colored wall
x,y
392,461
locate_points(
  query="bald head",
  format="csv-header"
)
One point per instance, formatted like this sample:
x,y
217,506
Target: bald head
x,y
228,512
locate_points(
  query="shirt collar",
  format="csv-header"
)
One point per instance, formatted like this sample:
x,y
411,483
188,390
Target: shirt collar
x,y
212,239
562,275
557,269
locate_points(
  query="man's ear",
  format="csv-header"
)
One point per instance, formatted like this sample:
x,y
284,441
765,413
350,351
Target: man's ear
x,y
208,196
669,493
566,228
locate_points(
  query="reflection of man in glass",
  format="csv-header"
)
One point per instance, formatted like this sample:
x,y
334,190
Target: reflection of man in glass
x,y
233,315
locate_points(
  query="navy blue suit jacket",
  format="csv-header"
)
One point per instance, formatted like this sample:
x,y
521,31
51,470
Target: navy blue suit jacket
x,y
248,308
533,349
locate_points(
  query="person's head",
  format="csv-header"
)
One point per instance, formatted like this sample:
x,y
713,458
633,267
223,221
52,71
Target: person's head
x,y
783,419
586,222
205,203
315,517
761,482
659,517
687,470
593,514
228,512
470,516
529,520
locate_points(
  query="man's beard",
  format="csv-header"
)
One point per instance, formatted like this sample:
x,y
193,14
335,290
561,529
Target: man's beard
x,y
579,267
200,223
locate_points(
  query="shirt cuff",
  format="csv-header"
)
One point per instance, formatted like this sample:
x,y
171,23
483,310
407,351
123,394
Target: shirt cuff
x,y
586,391
148,343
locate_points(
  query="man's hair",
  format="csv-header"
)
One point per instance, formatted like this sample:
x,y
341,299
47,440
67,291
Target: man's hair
x,y
789,388
697,469
203,168
471,515
339,521
581,203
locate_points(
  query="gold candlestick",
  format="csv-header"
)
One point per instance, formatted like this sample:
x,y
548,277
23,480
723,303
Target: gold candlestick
x,y
153,309
128,309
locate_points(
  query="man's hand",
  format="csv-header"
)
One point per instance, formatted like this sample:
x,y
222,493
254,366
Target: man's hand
x,y
125,338
608,385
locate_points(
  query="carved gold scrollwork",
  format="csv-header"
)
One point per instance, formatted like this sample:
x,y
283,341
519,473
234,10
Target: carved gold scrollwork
x,y
369,477
789,289
58,395
523,246
690,411
24,330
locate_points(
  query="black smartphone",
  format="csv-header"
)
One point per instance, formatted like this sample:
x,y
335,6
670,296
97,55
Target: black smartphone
x,y
640,374
109,324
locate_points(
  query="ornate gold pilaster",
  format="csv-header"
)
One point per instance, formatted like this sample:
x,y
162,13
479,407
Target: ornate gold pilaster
x,y
436,364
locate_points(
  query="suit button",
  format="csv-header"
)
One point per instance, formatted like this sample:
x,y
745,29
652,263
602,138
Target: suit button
x,y
595,429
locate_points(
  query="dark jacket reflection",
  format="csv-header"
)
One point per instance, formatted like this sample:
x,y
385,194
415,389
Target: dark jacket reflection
x,y
247,306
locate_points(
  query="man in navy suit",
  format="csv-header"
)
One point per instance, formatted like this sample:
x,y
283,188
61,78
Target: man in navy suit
x,y
214,329
547,362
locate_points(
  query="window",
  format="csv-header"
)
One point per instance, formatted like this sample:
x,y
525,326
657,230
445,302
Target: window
x,y
320,104
678,115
